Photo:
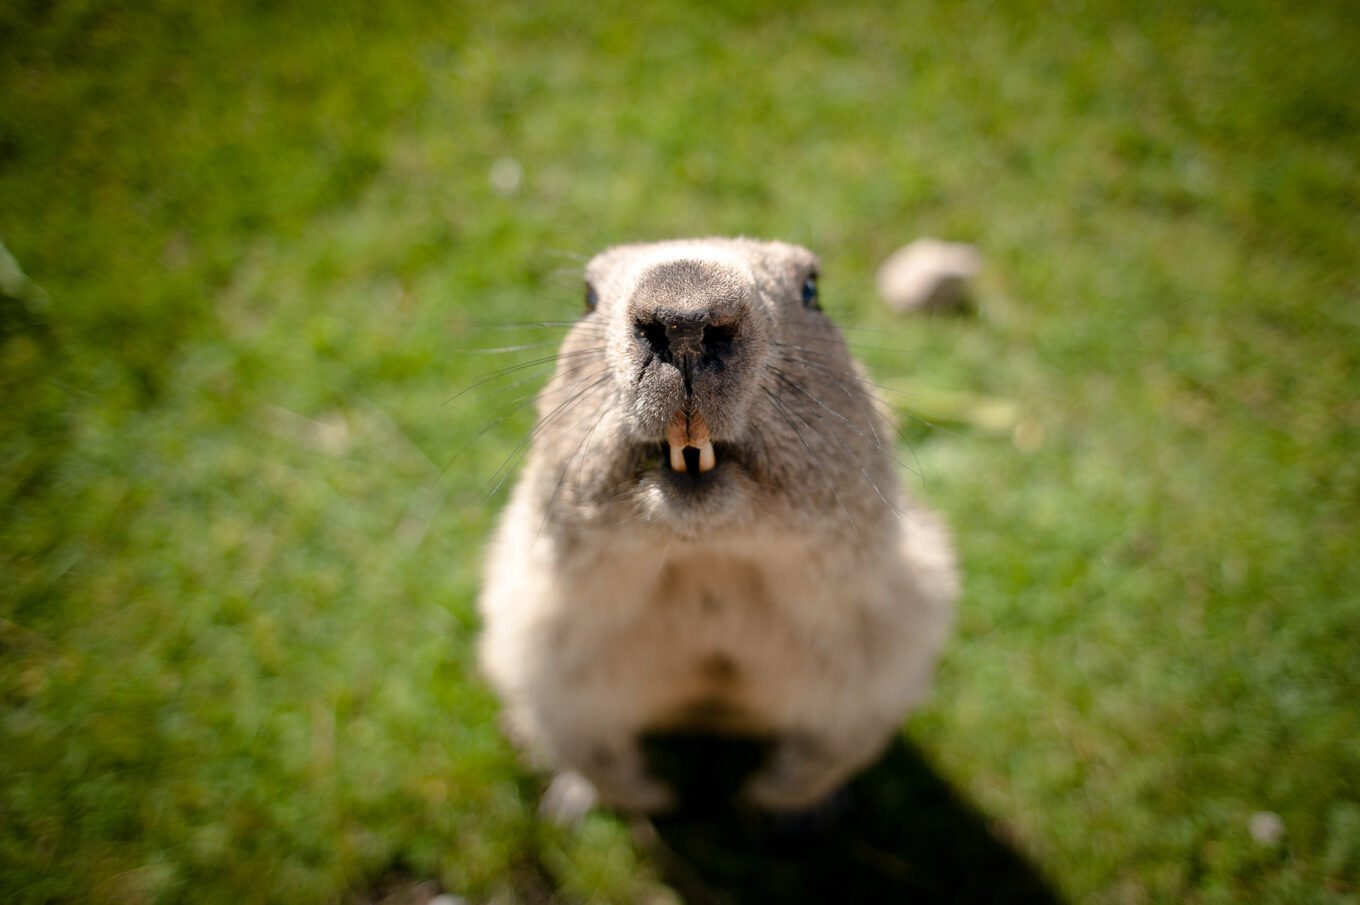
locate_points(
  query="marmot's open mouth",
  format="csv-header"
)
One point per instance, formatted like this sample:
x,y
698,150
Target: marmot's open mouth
x,y
692,459
688,466
689,449
688,459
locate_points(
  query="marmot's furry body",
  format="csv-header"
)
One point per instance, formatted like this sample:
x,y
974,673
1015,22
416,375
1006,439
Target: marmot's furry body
x,y
710,535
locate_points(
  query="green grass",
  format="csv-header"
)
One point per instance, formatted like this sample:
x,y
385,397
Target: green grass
x,y
239,569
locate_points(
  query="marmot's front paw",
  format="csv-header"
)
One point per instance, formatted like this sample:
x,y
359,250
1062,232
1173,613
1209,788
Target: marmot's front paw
x,y
798,777
642,794
770,792
570,796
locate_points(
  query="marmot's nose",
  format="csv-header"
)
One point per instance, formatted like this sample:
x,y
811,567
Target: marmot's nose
x,y
688,336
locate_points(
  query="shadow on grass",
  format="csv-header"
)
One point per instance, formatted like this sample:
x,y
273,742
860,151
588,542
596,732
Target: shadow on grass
x,y
898,833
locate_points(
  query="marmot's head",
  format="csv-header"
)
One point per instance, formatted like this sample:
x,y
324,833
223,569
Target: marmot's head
x,y
703,388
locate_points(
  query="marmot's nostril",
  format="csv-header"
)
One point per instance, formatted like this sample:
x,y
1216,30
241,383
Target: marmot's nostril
x,y
653,335
692,337
718,340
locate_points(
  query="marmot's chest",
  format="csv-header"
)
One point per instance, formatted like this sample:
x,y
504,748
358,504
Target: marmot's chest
x,y
708,587
736,604
713,642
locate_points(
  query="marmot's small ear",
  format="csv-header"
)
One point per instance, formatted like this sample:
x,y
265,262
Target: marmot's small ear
x,y
592,297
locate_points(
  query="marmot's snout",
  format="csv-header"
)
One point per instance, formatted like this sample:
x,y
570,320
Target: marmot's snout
x,y
692,316
695,335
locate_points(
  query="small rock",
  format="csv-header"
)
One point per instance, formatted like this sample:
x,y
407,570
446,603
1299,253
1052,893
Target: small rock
x,y
1266,827
928,274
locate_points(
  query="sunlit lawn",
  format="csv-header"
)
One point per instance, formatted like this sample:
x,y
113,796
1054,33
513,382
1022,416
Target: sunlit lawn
x,y
242,521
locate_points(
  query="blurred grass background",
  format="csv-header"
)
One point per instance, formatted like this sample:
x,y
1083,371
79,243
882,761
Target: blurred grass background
x,y
238,567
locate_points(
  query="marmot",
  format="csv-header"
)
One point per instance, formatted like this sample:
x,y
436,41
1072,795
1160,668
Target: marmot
x,y
710,535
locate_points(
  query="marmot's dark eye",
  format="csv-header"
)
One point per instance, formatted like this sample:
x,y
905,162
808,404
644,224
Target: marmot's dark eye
x,y
592,297
810,292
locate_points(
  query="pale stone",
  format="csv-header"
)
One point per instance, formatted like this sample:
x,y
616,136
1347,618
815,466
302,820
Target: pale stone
x,y
928,274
